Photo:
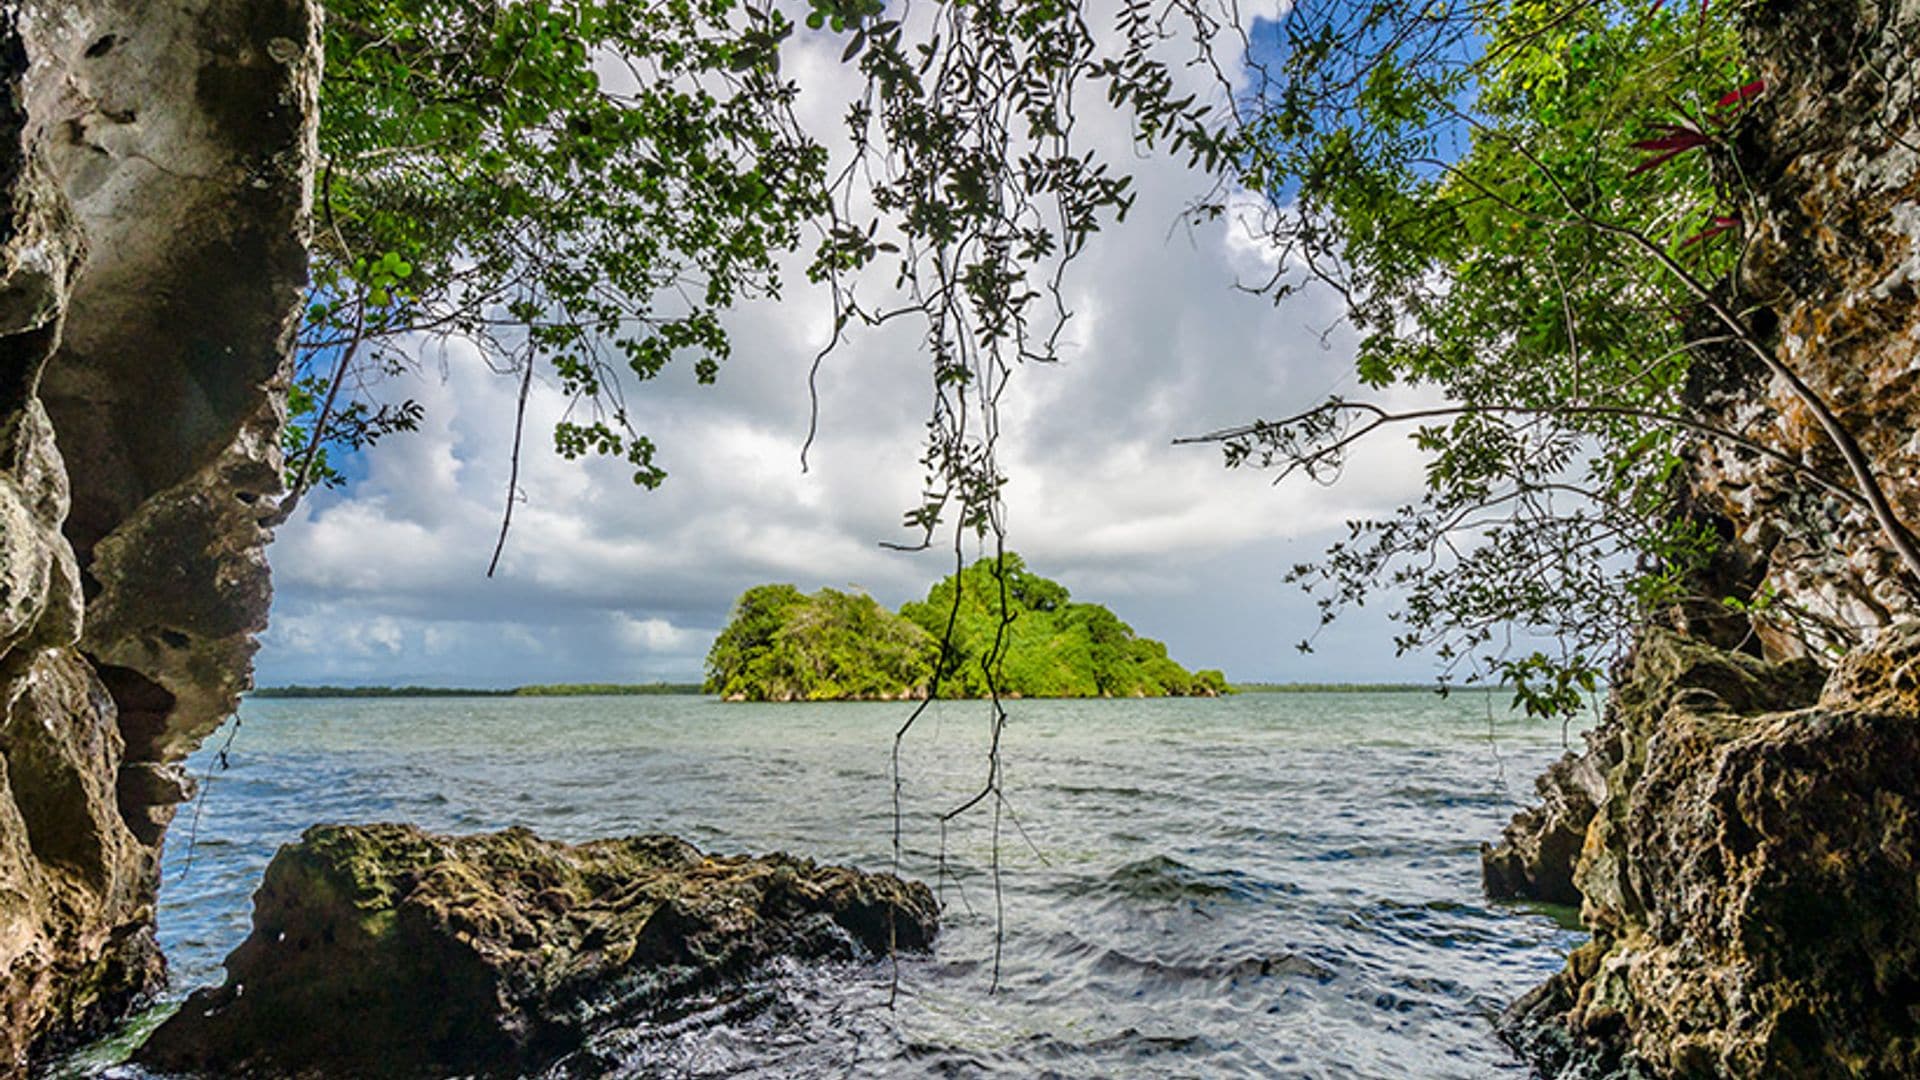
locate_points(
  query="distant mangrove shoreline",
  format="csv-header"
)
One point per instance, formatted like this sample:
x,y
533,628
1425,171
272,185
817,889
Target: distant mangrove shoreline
x,y
539,690
648,689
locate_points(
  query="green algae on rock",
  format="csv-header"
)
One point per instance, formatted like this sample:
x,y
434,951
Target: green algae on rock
x,y
382,950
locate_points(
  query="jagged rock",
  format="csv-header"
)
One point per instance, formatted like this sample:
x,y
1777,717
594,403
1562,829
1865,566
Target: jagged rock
x,y
1884,678
381,950
1751,877
1540,847
155,162
1535,856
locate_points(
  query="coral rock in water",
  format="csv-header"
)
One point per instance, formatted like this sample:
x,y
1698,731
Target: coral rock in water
x,y
1751,877
381,950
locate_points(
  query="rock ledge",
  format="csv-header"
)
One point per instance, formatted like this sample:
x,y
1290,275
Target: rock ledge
x,y
382,950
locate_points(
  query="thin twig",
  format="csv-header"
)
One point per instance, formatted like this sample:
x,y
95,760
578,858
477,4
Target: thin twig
x,y
513,468
200,797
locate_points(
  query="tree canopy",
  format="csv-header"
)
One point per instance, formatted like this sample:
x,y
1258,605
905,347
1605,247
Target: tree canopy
x,y
1028,640
783,645
1530,209
577,189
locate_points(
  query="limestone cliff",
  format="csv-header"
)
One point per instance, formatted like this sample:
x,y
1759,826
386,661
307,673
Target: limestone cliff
x,y
1743,842
1750,877
1826,166
154,164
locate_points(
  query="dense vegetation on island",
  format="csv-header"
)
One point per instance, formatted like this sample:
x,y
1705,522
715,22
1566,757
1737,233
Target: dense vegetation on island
x,y
784,645
1053,646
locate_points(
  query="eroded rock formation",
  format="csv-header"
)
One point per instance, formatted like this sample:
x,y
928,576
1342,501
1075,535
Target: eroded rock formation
x,y
1748,860
1827,164
380,950
1536,854
1752,875
154,165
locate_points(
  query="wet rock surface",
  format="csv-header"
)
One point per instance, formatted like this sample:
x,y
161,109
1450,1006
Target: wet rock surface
x,y
382,950
1750,876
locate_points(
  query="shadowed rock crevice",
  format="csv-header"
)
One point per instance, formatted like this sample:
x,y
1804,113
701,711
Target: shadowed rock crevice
x,y
1535,856
1540,850
154,171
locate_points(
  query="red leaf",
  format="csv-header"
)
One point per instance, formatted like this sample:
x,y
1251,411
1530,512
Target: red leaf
x,y
1653,162
1672,142
1679,139
1744,94
1718,226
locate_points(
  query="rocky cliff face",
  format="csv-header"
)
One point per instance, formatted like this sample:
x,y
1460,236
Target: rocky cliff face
x,y
154,162
1747,842
1827,164
1750,877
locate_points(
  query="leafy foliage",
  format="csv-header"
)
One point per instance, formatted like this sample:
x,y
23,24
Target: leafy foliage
x,y
577,188
581,190
1523,204
1050,645
968,186
783,645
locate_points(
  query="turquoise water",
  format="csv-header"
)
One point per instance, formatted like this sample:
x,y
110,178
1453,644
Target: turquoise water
x,y
1280,885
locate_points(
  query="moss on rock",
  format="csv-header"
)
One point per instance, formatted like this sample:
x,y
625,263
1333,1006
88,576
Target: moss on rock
x,y
382,950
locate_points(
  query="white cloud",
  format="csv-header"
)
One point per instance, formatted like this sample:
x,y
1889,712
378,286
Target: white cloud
x,y
601,580
651,635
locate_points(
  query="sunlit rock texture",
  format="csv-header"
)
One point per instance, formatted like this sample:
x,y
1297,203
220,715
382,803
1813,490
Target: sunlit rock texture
x,y
1827,161
1749,861
1752,877
384,951
154,164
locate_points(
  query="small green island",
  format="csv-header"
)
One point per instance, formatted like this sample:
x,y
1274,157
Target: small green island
x,y
785,645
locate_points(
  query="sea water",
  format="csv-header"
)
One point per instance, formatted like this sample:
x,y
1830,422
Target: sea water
x,y
1266,885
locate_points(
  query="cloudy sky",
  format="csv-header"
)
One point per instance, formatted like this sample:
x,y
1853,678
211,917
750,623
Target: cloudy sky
x,y
384,581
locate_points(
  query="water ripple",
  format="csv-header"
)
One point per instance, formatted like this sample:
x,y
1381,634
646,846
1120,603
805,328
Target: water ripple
x,y
1269,885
